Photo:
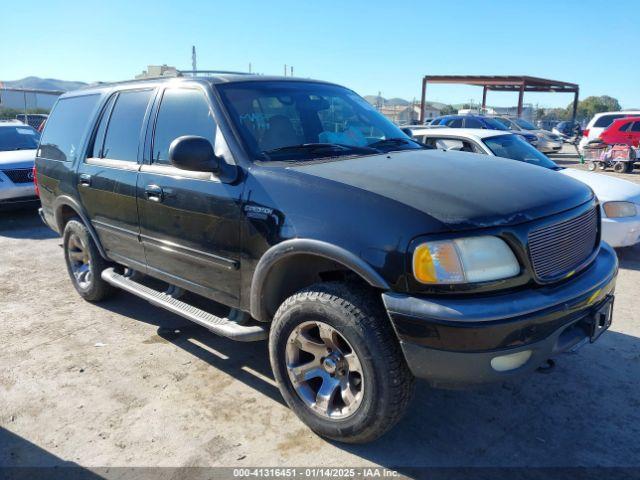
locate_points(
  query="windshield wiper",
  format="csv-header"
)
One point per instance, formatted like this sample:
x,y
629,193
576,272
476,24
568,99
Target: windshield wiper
x,y
318,147
395,141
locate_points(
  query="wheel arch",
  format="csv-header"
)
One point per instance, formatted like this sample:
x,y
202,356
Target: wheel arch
x,y
67,208
294,264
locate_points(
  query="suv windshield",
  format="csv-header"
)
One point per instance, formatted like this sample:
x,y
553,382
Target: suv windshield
x,y
287,120
20,137
514,147
524,124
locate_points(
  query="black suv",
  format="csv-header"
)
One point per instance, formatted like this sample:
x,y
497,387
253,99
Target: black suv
x,y
364,257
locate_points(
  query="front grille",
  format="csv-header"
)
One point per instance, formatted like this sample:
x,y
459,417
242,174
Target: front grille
x,y
558,249
19,175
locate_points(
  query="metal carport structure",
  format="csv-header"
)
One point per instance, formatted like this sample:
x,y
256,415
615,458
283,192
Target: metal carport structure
x,y
503,83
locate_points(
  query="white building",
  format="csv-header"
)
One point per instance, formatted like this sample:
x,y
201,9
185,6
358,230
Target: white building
x,y
158,71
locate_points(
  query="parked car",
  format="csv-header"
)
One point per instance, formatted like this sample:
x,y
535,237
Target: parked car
x,y
619,199
547,142
600,122
34,120
18,143
565,130
623,130
479,121
358,252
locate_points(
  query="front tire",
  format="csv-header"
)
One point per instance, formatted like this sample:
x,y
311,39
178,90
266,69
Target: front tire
x,y
84,262
338,362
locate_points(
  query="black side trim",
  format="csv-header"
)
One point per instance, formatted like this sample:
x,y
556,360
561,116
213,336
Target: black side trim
x,y
306,246
123,232
197,255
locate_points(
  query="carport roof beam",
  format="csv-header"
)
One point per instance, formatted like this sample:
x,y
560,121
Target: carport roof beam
x,y
502,83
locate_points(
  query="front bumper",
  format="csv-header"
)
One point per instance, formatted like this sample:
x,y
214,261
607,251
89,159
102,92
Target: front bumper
x,y
549,146
621,232
451,341
16,195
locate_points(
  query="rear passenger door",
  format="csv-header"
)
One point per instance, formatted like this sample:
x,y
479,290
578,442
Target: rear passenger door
x,y
107,177
189,221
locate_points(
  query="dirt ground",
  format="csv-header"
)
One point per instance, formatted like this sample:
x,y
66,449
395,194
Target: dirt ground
x,y
124,383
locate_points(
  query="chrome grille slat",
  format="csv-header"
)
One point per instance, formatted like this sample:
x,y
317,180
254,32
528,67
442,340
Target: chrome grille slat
x,y
556,250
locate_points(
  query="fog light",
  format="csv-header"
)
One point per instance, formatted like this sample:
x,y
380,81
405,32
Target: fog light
x,y
504,363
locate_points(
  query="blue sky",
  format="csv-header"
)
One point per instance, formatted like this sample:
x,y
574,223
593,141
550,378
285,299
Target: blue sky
x,y
369,46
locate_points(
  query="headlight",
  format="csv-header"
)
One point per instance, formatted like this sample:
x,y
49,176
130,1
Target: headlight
x,y
464,260
620,209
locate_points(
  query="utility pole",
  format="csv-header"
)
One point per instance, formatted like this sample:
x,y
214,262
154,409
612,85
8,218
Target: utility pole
x,y
291,71
194,65
249,67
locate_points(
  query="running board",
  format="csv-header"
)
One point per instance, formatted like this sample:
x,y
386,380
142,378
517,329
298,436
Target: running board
x,y
218,325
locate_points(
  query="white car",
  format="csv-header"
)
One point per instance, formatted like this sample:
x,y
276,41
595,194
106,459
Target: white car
x,y
619,199
600,122
18,144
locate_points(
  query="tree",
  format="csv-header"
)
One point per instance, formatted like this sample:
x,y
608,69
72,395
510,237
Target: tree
x,y
448,110
588,107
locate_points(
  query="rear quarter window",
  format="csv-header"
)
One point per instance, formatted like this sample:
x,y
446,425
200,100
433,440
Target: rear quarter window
x,y
606,120
66,127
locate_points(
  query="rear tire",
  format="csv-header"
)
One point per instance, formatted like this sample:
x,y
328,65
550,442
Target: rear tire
x,y
84,262
338,362
591,166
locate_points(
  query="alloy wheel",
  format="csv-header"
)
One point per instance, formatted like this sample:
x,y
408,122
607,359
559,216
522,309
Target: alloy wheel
x,y
325,370
80,261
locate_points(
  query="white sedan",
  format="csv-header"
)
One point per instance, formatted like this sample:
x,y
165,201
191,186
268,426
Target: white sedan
x,y
18,144
619,199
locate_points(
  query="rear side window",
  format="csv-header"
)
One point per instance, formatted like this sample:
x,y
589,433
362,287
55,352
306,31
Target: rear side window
x,y
182,112
473,123
123,132
98,141
635,127
66,127
454,123
625,127
606,120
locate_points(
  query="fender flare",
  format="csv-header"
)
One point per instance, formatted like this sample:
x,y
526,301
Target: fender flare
x,y
67,201
298,246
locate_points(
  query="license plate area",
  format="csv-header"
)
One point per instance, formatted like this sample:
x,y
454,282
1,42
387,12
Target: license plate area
x,y
601,319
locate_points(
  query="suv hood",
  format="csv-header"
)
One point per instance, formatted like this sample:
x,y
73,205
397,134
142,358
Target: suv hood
x,y
17,158
460,190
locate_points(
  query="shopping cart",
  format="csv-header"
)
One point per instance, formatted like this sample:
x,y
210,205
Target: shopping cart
x,y
620,157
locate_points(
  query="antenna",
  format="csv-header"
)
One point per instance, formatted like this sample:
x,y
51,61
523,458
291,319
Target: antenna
x,y
194,65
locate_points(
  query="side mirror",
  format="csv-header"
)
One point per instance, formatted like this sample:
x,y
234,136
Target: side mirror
x,y
194,154
407,132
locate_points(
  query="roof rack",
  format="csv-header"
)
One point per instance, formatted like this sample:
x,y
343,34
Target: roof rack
x,y
211,72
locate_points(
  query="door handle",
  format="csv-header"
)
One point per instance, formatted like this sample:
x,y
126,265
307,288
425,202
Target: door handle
x,y
154,193
85,180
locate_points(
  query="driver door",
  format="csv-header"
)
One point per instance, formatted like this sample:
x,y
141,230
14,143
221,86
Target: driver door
x,y
189,221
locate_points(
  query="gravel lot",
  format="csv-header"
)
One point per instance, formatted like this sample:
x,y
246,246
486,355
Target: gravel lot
x,y
126,384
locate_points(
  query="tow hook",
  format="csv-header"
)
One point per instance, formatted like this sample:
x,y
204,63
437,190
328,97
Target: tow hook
x,y
547,367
